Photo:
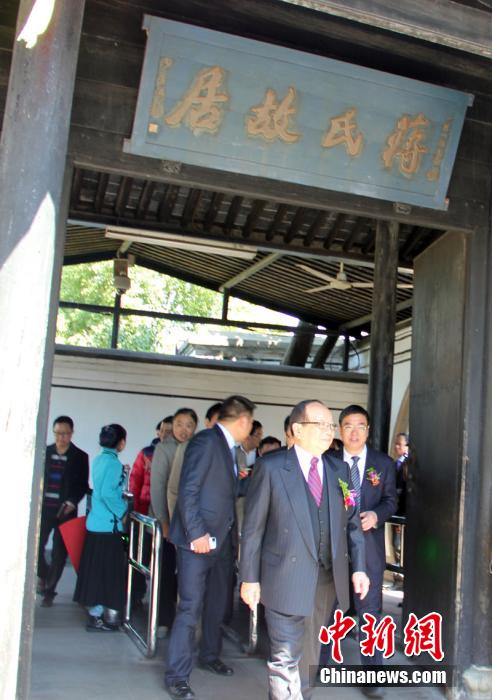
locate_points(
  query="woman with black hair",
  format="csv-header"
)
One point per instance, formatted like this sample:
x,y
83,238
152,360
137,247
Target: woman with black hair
x,y
101,580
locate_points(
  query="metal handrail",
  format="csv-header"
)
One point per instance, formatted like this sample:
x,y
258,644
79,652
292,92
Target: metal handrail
x,y
398,520
139,524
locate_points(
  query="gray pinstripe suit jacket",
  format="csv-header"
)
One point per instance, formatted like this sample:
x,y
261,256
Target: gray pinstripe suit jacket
x,y
277,543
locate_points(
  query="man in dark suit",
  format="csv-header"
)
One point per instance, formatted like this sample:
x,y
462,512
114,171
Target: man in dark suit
x,y
373,476
66,474
206,508
296,541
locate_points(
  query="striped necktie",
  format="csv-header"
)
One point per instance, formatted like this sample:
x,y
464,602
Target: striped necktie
x,y
314,482
354,473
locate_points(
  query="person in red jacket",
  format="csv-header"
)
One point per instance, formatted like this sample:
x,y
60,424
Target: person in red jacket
x,y
140,473
140,479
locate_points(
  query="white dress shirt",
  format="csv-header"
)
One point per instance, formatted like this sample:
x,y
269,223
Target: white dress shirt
x,y
305,458
231,444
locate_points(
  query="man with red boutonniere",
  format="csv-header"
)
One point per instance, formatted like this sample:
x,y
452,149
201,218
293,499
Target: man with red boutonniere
x,y
300,527
373,480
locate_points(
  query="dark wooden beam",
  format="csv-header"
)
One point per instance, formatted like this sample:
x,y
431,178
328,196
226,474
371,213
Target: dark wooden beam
x,y
78,176
93,149
315,228
90,257
277,220
334,232
253,216
300,346
213,210
295,225
346,353
383,333
122,196
231,217
145,199
181,318
190,208
225,305
115,331
354,234
368,243
412,241
459,27
102,184
324,351
257,238
167,203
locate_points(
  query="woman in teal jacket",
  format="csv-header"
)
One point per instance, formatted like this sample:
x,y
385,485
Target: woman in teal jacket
x,y
101,580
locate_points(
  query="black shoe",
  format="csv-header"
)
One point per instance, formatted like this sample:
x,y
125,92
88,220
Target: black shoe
x,y
48,599
374,691
217,666
180,690
97,624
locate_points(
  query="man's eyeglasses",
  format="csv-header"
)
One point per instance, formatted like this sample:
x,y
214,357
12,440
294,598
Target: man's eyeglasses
x,y
320,424
361,428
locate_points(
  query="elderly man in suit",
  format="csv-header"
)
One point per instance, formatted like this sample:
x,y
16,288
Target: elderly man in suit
x,y
206,508
297,537
373,476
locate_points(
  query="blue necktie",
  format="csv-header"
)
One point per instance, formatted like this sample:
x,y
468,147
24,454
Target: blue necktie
x,y
354,473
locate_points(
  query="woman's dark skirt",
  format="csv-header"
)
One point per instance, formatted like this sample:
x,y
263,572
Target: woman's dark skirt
x,y
102,572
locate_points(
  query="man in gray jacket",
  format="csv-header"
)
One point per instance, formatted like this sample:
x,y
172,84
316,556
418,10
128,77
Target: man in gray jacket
x,y
184,425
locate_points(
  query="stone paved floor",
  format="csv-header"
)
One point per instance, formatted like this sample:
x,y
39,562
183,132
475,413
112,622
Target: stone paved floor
x,y
67,662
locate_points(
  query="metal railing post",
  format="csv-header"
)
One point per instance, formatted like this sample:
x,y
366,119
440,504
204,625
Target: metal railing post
x,y
142,524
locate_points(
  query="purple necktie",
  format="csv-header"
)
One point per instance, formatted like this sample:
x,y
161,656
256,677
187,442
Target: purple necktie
x,y
314,482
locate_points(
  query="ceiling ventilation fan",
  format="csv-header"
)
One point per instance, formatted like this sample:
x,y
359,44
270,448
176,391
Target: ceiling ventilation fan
x,y
339,282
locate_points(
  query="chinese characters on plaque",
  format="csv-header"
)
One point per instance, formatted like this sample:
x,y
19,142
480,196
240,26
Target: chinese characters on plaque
x,y
224,102
202,109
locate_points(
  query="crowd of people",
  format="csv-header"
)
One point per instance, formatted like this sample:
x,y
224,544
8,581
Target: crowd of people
x,y
305,521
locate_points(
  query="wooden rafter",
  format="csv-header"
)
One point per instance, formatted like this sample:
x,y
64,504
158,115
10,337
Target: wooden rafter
x,y
167,203
231,217
277,220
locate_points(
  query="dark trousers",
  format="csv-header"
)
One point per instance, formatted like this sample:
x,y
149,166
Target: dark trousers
x,y
51,573
295,646
202,587
168,584
373,604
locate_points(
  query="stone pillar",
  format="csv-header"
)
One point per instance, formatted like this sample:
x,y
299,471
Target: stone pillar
x,y
383,332
32,223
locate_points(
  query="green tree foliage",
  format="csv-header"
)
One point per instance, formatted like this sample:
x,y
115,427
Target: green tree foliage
x,y
93,284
